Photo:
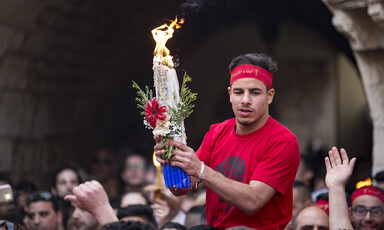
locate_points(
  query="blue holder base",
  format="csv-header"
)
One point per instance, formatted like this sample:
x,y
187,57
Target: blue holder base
x,y
175,177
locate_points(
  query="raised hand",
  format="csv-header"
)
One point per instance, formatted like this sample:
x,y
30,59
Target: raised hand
x,y
91,197
339,169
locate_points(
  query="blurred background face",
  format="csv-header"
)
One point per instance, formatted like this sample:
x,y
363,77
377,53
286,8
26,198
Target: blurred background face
x,y
134,171
83,220
65,182
102,164
367,221
133,198
43,216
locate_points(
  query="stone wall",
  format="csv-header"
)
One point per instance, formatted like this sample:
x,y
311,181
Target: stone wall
x,y
361,22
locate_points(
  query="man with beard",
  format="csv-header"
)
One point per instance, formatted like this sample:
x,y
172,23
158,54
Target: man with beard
x,y
44,212
249,162
83,220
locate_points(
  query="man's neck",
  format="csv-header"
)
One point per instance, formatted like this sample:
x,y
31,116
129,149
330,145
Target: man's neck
x,y
247,129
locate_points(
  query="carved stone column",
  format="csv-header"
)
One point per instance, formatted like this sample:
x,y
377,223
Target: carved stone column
x,y
362,23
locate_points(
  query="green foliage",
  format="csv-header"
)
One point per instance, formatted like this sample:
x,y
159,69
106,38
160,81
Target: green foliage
x,y
142,97
187,97
168,148
183,110
185,107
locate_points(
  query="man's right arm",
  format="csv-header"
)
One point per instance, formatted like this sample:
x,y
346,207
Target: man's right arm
x,y
339,170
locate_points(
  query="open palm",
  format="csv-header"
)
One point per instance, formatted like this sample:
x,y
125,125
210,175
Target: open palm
x,y
339,169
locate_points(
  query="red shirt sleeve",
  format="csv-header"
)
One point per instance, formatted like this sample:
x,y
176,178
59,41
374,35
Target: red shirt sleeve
x,y
278,165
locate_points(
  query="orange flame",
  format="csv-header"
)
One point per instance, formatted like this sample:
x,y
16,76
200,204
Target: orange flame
x,y
155,162
363,183
161,35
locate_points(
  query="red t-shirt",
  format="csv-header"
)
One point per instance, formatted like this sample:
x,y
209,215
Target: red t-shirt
x,y
270,155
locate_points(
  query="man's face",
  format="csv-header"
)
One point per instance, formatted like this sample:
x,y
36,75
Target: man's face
x,y
65,182
312,218
250,101
372,219
43,216
83,219
134,172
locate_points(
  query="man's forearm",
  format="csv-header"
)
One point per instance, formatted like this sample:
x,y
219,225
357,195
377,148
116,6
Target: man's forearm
x,y
243,196
338,209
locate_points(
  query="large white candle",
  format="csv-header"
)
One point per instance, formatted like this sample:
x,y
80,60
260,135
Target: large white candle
x,y
166,85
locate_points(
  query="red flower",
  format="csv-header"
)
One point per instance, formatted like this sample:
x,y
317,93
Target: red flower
x,y
154,111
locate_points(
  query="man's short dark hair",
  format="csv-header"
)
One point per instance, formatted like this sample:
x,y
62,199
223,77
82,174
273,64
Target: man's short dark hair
x,y
143,211
260,60
127,225
203,227
379,177
43,196
173,225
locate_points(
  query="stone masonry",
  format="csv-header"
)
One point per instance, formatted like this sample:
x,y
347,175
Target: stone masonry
x,y
362,23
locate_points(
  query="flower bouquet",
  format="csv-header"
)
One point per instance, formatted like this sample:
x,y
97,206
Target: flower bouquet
x,y
165,114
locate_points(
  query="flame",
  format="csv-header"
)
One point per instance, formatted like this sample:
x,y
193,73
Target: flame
x,y
155,162
161,35
363,183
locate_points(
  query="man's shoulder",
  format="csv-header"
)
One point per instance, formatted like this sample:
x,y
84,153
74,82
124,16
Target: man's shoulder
x,y
278,128
227,124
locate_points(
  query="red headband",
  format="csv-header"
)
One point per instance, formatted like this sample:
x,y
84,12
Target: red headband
x,y
251,71
323,204
367,191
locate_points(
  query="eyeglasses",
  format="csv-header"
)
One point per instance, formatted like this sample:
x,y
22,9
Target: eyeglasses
x,y
375,211
40,195
138,165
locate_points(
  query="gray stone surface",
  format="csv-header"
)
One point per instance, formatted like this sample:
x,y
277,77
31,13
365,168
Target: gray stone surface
x,y
362,25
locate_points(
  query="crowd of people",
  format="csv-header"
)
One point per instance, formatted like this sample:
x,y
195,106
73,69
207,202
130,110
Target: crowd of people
x,y
247,174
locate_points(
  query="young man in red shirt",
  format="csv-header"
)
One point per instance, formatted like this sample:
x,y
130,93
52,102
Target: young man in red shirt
x,y
249,162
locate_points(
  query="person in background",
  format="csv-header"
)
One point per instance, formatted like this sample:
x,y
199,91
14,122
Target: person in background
x,y
23,189
83,220
137,212
311,217
91,197
301,199
103,169
367,205
379,179
305,172
127,225
134,196
133,172
195,216
64,179
44,212
172,226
